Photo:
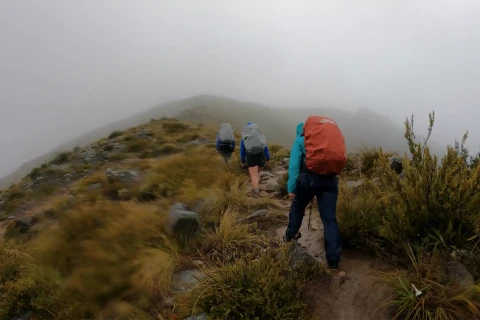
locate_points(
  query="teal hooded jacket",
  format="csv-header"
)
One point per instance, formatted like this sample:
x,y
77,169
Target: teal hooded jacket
x,y
296,158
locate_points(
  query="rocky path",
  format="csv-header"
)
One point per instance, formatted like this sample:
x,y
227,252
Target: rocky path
x,y
353,293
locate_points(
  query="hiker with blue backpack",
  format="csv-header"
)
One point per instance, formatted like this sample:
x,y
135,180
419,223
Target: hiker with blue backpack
x,y
225,142
317,157
253,152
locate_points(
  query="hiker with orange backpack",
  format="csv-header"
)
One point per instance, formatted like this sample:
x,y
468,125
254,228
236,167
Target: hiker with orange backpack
x,y
317,157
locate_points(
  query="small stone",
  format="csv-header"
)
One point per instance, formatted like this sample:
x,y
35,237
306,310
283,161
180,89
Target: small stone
x,y
169,302
342,274
353,184
202,316
265,194
185,280
198,263
458,275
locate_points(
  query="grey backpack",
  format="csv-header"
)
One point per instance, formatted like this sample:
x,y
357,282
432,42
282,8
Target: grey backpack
x,y
226,135
253,139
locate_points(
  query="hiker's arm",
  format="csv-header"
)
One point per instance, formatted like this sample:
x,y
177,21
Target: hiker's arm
x,y
294,167
242,151
267,154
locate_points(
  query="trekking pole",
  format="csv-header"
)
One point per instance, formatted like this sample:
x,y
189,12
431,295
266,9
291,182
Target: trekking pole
x,y
310,215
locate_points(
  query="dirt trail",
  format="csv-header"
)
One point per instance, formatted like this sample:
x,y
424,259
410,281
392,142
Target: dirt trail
x,y
353,294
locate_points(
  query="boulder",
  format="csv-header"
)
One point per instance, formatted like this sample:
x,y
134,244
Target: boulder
x,y
182,222
299,256
25,223
185,280
123,176
90,156
458,275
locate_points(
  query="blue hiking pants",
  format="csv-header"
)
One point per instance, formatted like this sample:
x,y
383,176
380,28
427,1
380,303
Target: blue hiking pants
x,y
325,188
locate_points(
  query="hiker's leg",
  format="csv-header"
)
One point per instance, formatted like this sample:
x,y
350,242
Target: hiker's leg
x,y
327,195
297,209
254,177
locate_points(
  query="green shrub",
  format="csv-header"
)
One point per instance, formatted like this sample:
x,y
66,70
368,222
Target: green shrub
x,y
263,288
62,158
174,127
115,134
35,173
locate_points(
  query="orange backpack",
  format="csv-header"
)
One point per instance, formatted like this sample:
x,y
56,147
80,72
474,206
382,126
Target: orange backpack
x,y
325,148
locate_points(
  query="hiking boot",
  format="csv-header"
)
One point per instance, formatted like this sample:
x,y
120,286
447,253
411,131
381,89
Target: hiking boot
x,y
287,238
333,265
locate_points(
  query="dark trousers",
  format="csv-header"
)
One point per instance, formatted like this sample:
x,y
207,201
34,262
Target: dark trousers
x,y
325,188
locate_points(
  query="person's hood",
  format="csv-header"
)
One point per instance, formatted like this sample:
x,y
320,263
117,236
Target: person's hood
x,y
299,129
249,123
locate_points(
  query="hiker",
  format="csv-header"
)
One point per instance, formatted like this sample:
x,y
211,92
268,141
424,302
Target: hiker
x,y
317,157
225,142
254,152
396,164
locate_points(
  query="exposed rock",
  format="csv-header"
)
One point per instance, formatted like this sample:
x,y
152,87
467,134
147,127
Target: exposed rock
x,y
123,176
265,194
270,185
458,275
25,223
285,161
62,167
182,222
201,316
11,217
200,141
89,155
143,133
257,214
185,280
353,184
265,175
299,256
280,173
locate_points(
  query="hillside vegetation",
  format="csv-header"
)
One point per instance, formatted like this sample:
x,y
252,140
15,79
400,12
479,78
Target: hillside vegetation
x,y
361,128
89,235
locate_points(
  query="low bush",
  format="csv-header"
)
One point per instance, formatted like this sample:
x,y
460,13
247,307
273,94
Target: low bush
x,y
252,288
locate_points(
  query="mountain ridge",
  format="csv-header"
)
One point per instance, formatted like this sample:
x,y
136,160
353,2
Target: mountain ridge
x,y
363,128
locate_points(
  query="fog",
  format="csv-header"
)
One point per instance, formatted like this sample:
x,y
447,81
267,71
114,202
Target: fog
x,y
67,67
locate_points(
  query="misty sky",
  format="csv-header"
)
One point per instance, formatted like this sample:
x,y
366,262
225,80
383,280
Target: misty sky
x,y
69,66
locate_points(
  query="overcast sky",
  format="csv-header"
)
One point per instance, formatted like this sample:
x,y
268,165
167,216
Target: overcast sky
x,y
69,66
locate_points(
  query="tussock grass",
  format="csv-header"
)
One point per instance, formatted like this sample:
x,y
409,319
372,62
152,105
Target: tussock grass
x,y
230,239
437,299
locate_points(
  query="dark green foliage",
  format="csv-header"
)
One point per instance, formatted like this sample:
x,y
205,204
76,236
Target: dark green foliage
x,y
115,134
62,158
